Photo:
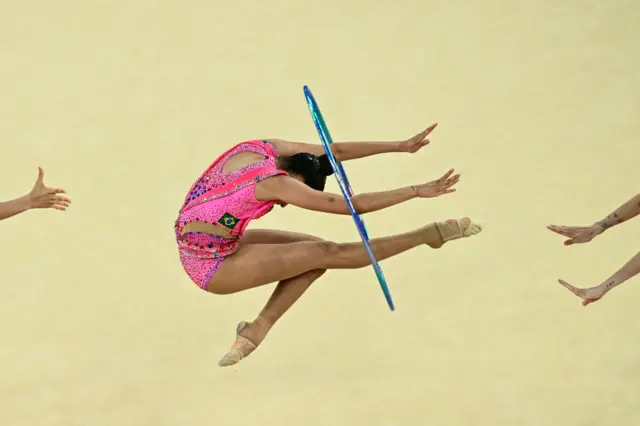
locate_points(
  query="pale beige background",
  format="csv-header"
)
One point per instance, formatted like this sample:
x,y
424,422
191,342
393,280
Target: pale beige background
x,y
125,103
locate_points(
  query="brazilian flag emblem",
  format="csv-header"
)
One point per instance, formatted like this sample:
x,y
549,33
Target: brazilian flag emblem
x,y
228,221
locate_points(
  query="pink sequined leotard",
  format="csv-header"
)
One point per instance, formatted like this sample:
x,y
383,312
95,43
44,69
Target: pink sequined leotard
x,y
225,199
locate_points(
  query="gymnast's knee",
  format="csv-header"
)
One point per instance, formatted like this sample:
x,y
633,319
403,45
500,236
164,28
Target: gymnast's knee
x,y
328,248
332,254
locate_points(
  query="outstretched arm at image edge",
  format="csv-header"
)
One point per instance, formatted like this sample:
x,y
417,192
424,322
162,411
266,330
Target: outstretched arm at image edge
x,y
628,271
593,294
14,207
628,210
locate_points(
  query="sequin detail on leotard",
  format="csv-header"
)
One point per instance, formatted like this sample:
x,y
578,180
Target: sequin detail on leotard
x,y
215,177
217,196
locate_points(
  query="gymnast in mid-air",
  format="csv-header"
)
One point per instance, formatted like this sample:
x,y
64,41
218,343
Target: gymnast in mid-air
x,y
584,234
40,197
222,257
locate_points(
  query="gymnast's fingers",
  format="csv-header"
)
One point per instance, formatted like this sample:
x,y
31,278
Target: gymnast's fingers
x,y
55,191
449,184
445,176
562,230
429,129
454,179
55,199
62,199
554,228
569,287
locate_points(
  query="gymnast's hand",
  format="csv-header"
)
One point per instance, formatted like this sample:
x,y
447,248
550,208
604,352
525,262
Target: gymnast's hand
x,y
43,197
439,187
588,295
577,234
418,141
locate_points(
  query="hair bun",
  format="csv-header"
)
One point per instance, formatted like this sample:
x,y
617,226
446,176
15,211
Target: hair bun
x,y
325,165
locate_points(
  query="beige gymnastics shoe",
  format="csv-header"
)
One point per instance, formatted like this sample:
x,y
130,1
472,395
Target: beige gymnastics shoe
x,y
240,349
454,229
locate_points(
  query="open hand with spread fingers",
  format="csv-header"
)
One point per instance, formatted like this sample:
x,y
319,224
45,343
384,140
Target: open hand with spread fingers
x,y
436,188
44,197
415,143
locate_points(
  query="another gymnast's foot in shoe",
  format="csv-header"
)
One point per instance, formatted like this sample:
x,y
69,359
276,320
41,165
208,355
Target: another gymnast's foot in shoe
x,y
248,337
452,229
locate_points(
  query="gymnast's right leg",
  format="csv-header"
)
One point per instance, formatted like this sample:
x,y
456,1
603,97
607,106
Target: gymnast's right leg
x,y
254,265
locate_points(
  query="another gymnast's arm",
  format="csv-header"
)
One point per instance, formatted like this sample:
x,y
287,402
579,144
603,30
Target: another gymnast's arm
x,y
13,207
590,295
584,234
629,270
628,210
288,190
343,151
40,197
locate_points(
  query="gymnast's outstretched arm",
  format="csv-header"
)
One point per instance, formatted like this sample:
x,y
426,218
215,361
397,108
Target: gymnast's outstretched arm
x,y
40,197
287,190
590,295
629,210
13,207
343,151
583,234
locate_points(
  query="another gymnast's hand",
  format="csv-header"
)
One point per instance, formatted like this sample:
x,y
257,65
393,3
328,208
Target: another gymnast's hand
x,y
418,141
43,197
577,234
588,295
439,187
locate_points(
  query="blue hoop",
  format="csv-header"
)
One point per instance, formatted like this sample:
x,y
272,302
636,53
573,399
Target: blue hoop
x,y
347,192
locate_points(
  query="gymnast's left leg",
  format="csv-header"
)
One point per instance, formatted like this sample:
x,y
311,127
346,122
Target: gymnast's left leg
x,y
286,293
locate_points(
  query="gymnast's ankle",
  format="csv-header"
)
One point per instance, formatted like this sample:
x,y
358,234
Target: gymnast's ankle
x,y
263,322
432,237
257,330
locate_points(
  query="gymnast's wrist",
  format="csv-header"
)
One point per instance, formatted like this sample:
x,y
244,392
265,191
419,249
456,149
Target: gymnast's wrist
x,y
26,202
602,225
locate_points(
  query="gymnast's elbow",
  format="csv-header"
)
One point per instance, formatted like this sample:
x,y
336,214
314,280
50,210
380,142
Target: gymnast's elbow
x,y
338,151
359,206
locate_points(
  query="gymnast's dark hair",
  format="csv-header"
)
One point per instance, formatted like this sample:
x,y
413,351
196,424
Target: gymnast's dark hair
x,y
314,170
